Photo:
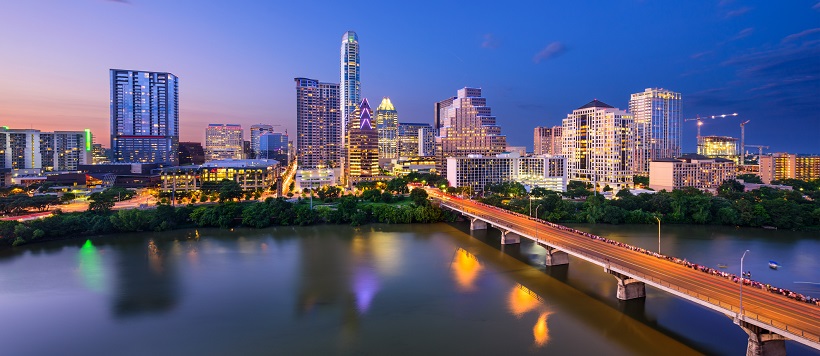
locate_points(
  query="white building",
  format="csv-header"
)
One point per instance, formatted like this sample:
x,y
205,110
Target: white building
x,y
47,151
598,142
657,114
314,178
547,140
223,141
476,171
697,171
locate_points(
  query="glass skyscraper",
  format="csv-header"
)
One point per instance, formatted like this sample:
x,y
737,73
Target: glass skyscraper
x,y
658,123
144,117
387,124
350,88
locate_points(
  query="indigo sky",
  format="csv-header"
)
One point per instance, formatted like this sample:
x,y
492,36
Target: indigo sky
x,y
535,61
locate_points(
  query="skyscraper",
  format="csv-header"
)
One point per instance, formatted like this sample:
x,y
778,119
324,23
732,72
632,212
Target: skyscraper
x,y
415,140
350,87
223,141
598,141
256,131
46,151
318,124
547,140
658,122
467,126
144,116
387,124
274,145
363,149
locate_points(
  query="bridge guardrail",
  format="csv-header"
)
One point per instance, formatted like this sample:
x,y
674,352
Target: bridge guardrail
x,y
731,308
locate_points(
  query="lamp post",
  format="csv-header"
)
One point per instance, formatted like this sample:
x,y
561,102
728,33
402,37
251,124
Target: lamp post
x,y
536,223
659,234
740,312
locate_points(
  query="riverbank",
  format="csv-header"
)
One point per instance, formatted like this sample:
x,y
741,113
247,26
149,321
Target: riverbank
x,y
272,212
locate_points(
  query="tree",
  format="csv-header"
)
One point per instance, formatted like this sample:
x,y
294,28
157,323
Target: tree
x,y
419,197
397,185
750,178
67,197
100,203
229,190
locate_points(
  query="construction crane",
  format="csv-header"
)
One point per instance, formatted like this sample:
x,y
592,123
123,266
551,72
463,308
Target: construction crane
x,y
759,148
700,119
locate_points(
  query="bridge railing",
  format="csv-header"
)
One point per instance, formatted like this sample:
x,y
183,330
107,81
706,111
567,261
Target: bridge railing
x,y
633,273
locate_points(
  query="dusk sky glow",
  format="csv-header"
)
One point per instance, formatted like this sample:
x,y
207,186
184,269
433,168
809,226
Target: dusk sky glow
x,y
236,60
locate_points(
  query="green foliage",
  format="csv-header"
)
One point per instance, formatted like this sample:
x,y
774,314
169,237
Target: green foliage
x,y
640,180
419,197
509,189
398,186
229,190
750,178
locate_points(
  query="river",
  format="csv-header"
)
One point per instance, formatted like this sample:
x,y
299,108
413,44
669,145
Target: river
x,y
376,289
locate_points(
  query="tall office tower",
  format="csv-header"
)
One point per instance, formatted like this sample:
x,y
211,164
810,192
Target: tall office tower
x,y
274,145
598,142
318,124
350,87
223,141
468,127
363,149
547,140
415,140
387,124
657,114
441,111
144,117
256,131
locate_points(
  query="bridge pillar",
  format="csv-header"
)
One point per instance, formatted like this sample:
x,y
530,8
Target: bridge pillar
x,y
763,342
556,257
509,238
628,288
477,224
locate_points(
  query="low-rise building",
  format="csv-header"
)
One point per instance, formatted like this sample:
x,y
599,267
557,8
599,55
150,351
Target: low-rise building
x,y
251,174
476,171
314,178
405,166
780,166
701,172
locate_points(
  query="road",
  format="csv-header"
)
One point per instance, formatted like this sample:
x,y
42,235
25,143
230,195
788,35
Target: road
x,y
799,317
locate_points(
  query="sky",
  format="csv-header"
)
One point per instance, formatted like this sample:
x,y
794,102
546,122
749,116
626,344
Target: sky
x,y
535,61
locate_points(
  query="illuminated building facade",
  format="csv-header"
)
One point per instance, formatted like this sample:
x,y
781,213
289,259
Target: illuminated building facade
x,y
318,124
598,141
467,127
658,124
363,148
256,131
223,141
404,166
46,151
415,140
781,166
350,88
144,117
387,124
476,171
251,174
547,140
191,153
274,145
698,171
719,146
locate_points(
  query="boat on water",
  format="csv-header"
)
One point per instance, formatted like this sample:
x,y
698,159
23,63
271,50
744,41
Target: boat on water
x,y
774,265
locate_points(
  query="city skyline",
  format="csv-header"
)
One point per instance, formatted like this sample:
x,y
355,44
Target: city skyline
x,y
739,60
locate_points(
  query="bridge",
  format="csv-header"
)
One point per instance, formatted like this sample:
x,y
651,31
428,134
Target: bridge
x,y
768,318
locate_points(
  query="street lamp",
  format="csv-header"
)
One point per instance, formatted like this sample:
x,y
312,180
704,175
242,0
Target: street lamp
x,y
659,234
536,223
740,312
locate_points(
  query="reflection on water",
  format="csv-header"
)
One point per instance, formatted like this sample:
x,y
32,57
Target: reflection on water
x,y
540,331
93,276
521,300
145,282
465,268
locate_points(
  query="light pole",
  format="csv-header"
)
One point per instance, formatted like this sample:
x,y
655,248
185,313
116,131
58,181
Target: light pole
x,y
536,223
659,234
740,313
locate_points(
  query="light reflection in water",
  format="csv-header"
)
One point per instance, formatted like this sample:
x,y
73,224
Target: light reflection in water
x,y
521,300
90,267
540,331
154,257
465,268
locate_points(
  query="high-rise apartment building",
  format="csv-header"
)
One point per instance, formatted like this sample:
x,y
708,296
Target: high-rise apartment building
x,y
318,124
781,166
467,126
658,121
363,148
547,140
415,140
387,124
350,87
223,141
46,151
598,142
256,131
144,117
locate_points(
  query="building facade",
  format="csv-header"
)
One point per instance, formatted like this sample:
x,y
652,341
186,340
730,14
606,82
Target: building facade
x,y
387,124
467,127
598,142
144,117
57,151
251,174
274,145
415,140
547,140
318,124
350,89
223,141
476,171
658,125
698,171
781,166
719,146
191,153
256,131
363,148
